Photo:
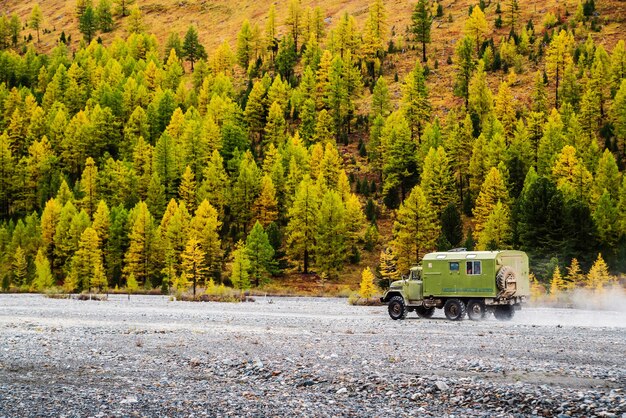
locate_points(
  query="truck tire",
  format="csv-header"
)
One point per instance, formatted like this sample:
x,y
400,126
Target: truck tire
x,y
397,308
504,276
424,312
454,309
476,310
504,312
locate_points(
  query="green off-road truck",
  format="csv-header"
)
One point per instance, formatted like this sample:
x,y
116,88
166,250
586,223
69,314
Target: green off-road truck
x,y
460,282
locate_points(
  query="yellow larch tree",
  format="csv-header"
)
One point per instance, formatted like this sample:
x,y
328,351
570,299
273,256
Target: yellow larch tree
x,y
599,277
266,205
367,289
557,284
575,276
492,190
477,27
194,263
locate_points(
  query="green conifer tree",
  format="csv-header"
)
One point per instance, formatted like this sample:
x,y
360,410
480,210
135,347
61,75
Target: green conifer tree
x,y
240,277
605,217
104,16
88,23
63,248
192,48
261,255
330,235
398,155
415,230
464,68
255,112
422,21
618,116
302,227
245,191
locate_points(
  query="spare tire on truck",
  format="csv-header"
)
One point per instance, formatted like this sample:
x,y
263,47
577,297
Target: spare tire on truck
x,y
506,280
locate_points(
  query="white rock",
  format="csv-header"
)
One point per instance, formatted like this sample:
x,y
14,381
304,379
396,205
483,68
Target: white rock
x,y
129,399
442,386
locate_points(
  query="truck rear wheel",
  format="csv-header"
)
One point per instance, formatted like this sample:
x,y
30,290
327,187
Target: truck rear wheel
x,y
397,308
424,312
454,309
476,310
504,312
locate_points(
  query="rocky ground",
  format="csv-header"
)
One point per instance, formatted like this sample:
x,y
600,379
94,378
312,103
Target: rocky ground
x,y
302,357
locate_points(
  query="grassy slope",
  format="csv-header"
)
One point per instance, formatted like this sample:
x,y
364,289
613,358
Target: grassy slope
x,y
219,20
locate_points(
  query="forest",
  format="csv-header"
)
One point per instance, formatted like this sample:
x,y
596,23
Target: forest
x,y
301,148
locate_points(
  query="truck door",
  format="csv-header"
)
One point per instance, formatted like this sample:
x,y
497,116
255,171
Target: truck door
x,y
452,282
415,285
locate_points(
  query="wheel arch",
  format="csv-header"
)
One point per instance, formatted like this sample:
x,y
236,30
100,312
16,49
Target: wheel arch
x,y
389,295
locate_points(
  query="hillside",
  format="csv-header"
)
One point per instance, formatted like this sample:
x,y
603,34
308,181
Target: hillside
x,y
220,21
123,164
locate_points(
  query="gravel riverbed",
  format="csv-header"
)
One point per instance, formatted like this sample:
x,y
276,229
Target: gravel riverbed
x,y
302,357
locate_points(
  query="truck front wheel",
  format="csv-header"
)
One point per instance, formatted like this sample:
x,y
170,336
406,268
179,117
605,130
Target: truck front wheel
x,y
476,310
454,309
424,312
397,308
